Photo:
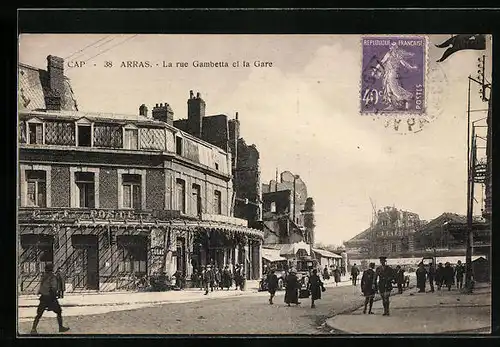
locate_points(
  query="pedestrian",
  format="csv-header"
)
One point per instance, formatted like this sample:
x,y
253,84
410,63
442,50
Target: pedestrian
x,y
431,275
315,287
48,299
202,277
272,284
385,277
459,274
400,279
439,276
292,287
61,285
421,275
336,275
354,274
326,274
368,287
448,275
208,279
226,278
218,278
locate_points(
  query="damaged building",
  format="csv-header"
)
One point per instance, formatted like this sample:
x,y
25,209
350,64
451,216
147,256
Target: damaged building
x,y
288,213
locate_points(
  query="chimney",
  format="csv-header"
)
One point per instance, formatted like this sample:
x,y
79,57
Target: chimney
x,y
196,112
143,110
55,69
163,113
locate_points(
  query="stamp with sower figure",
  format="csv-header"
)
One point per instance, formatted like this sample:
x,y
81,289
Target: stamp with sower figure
x,y
393,75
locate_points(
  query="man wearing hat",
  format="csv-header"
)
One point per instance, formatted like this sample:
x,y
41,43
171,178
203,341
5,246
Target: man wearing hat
x,y
385,277
272,284
48,299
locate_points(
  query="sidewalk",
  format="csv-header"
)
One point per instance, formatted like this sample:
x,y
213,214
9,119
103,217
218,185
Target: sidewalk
x,y
441,312
78,304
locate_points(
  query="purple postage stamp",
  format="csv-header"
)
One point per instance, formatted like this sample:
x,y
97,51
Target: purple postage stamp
x,y
393,75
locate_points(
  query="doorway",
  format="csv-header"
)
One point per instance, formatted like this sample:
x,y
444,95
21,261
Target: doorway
x,y
181,256
85,262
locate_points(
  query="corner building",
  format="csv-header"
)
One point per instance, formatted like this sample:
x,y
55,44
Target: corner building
x,y
108,198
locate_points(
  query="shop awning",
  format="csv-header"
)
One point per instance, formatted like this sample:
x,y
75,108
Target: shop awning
x,y
292,249
271,254
326,254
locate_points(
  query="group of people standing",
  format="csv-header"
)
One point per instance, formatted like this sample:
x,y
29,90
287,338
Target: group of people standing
x,y
441,276
377,280
293,286
211,277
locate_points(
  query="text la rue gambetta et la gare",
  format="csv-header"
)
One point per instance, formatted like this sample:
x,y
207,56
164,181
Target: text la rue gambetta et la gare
x,y
174,64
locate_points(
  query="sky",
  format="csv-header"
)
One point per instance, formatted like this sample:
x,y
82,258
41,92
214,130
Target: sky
x,y
302,113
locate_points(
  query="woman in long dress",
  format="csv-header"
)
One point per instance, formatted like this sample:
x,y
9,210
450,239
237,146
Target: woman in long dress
x,y
292,288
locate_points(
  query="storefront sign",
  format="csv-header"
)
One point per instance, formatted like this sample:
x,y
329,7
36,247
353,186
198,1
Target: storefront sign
x,y
91,214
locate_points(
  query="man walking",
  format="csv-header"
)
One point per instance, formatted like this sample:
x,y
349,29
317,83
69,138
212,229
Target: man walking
x,y
431,275
272,284
439,276
48,299
368,287
400,278
60,284
385,277
354,274
459,273
208,279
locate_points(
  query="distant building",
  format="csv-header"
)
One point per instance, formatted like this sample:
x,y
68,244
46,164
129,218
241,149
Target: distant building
x,y
392,234
288,213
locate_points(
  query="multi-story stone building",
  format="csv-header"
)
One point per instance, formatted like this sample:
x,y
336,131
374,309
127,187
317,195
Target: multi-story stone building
x,y
391,234
288,213
109,197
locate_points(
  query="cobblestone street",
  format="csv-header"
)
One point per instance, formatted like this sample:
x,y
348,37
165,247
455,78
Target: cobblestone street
x,y
240,315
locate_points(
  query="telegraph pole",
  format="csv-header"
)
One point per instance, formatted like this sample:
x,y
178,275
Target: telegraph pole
x,y
471,162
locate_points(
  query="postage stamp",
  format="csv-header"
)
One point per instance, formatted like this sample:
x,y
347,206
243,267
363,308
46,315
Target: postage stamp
x,y
393,75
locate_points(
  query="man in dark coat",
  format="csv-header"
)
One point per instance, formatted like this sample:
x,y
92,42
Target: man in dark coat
x,y
385,277
431,275
368,287
354,274
272,284
448,275
439,276
48,299
326,274
315,286
61,285
400,278
292,288
208,279
459,273
421,275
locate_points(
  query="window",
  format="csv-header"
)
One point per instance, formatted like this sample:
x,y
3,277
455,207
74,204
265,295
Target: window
x,y
181,195
132,258
84,135
216,166
37,195
394,247
85,188
273,207
35,254
132,194
131,138
35,133
178,145
217,202
197,199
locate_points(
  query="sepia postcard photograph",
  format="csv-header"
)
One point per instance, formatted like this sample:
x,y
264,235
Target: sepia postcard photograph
x,y
243,184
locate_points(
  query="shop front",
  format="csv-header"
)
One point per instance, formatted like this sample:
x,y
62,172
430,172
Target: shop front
x,y
109,250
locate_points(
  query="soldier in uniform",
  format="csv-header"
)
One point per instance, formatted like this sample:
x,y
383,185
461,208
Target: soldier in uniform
x,y
385,277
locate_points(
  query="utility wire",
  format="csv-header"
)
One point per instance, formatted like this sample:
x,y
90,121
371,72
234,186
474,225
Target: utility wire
x,y
88,46
119,43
